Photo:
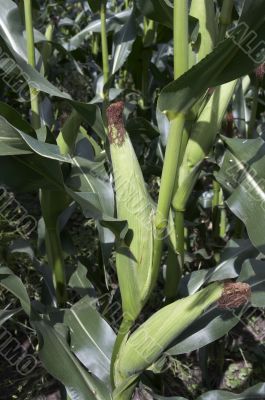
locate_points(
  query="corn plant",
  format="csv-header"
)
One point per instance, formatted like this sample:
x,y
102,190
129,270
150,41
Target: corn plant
x,y
156,132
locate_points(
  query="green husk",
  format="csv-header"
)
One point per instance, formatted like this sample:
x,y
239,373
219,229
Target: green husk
x,y
201,141
152,338
134,263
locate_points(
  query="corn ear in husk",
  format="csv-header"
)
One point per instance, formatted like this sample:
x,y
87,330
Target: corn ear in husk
x,y
134,263
201,142
151,339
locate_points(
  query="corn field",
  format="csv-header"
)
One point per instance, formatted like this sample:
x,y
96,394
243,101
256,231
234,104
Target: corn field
x,y
132,199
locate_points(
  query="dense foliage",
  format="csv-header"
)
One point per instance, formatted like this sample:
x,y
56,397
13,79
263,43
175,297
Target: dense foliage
x,y
132,193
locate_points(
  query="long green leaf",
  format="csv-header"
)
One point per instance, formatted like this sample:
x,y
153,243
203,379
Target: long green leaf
x,y
92,339
123,42
16,45
227,62
13,284
253,393
242,174
60,362
113,23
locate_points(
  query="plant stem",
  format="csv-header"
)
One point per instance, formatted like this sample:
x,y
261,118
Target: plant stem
x,y
52,205
55,252
216,191
104,45
174,144
123,331
47,47
35,116
215,208
95,44
254,108
222,216
175,259
148,37
49,200
169,171
181,43
218,212
181,64
225,18
145,79
224,22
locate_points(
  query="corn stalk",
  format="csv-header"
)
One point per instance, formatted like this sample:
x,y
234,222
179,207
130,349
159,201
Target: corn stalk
x,y
52,202
174,149
205,13
201,141
104,46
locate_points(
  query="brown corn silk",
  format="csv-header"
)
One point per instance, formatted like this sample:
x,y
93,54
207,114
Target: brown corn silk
x,y
234,295
115,123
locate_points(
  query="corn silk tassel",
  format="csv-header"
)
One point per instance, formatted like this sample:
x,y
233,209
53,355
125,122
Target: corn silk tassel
x,y
148,343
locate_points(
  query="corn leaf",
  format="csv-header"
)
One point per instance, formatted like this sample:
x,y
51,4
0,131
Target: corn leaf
x,y
242,174
13,284
92,339
225,63
78,382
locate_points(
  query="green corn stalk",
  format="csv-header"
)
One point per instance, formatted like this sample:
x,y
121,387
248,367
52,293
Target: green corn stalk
x,y
34,98
104,46
52,202
225,18
52,205
95,44
48,201
148,40
177,122
134,263
204,11
219,218
67,136
201,141
47,47
198,147
151,339
176,143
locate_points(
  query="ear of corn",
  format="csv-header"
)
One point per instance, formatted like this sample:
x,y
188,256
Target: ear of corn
x,y
201,141
152,338
134,264
148,343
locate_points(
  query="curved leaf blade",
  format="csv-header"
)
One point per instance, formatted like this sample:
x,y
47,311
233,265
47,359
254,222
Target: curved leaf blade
x,y
92,339
226,62
242,174
60,362
13,284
